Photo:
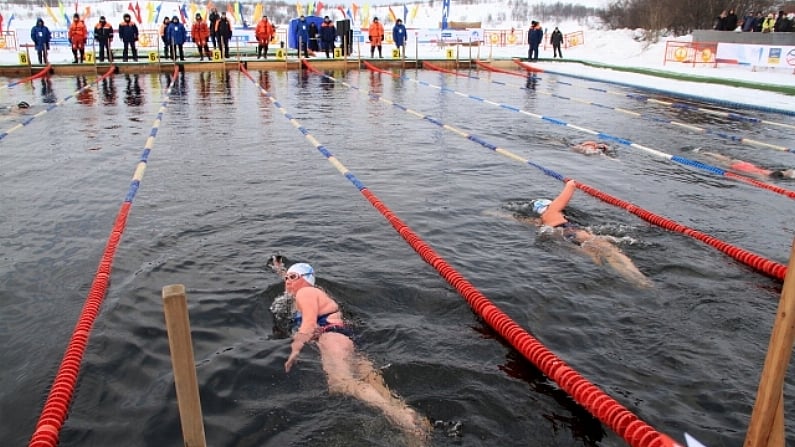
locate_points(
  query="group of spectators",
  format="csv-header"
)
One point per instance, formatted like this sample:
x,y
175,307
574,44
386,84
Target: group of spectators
x,y
755,22
78,36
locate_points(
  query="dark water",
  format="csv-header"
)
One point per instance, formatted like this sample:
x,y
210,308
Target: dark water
x,y
230,181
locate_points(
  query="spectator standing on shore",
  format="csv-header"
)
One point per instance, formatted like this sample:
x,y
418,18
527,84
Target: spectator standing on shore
x,y
78,35
376,36
176,38
758,22
534,36
782,24
40,35
302,33
164,38
200,32
103,34
556,39
313,39
748,22
399,36
328,32
128,33
223,32
213,19
264,33
769,23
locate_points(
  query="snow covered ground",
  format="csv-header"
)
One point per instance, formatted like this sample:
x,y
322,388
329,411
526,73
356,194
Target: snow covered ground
x,y
618,47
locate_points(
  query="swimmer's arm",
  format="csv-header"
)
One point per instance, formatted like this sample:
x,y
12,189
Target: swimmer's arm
x,y
510,216
563,198
308,308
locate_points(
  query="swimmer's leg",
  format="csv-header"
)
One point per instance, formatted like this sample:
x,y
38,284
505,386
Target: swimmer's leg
x,y
596,247
350,374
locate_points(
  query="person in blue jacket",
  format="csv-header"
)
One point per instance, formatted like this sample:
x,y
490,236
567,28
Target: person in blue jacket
x,y
176,36
128,33
534,37
328,32
399,36
302,34
40,35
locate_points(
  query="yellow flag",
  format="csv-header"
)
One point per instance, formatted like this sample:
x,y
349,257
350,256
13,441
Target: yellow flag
x,y
366,14
193,9
257,13
299,9
414,11
52,15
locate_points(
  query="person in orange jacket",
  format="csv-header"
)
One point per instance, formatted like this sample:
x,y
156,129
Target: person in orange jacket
x,y
78,35
200,33
264,34
376,33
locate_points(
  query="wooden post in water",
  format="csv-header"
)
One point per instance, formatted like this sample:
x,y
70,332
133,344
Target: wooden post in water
x,y
766,428
175,307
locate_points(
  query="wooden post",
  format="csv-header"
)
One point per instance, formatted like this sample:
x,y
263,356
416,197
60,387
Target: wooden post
x,y
766,428
175,307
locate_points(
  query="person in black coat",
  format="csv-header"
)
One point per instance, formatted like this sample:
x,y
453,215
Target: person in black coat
x,y
223,32
556,39
213,19
328,32
103,34
313,39
128,33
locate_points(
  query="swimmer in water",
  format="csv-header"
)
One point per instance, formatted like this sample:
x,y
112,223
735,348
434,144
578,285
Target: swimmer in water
x,y
599,248
318,320
591,147
745,167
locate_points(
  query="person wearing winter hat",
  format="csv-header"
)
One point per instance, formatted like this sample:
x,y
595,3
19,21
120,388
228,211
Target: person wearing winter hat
x,y
103,34
128,33
318,319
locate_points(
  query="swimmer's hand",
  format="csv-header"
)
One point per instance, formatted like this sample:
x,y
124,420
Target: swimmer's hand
x,y
571,183
291,361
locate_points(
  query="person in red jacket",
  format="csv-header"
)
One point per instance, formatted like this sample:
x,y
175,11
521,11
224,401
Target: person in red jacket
x,y
376,33
200,33
78,35
264,34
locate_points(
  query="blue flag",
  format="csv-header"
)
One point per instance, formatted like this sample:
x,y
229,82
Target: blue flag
x,y
157,16
68,22
10,19
405,13
445,12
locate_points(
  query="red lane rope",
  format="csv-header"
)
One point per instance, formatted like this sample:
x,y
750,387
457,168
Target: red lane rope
x,y
433,67
56,408
44,72
753,260
610,412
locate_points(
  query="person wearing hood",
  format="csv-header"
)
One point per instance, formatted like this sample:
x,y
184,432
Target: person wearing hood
x,y
264,33
78,35
200,32
128,33
40,35
103,34
176,35
376,35
213,20
399,36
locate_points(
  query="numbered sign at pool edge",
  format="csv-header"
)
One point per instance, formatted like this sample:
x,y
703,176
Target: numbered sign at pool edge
x,y
395,53
23,59
216,55
89,57
153,56
280,53
337,53
448,53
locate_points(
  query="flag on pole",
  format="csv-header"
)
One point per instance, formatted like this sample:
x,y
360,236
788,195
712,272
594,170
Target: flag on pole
x,y
10,19
50,13
414,11
392,15
239,12
1,23
299,9
405,13
86,12
366,13
255,18
319,9
348,13
62,12
138,12
342,10
157,9
183,13
355,10
193,10
230,12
